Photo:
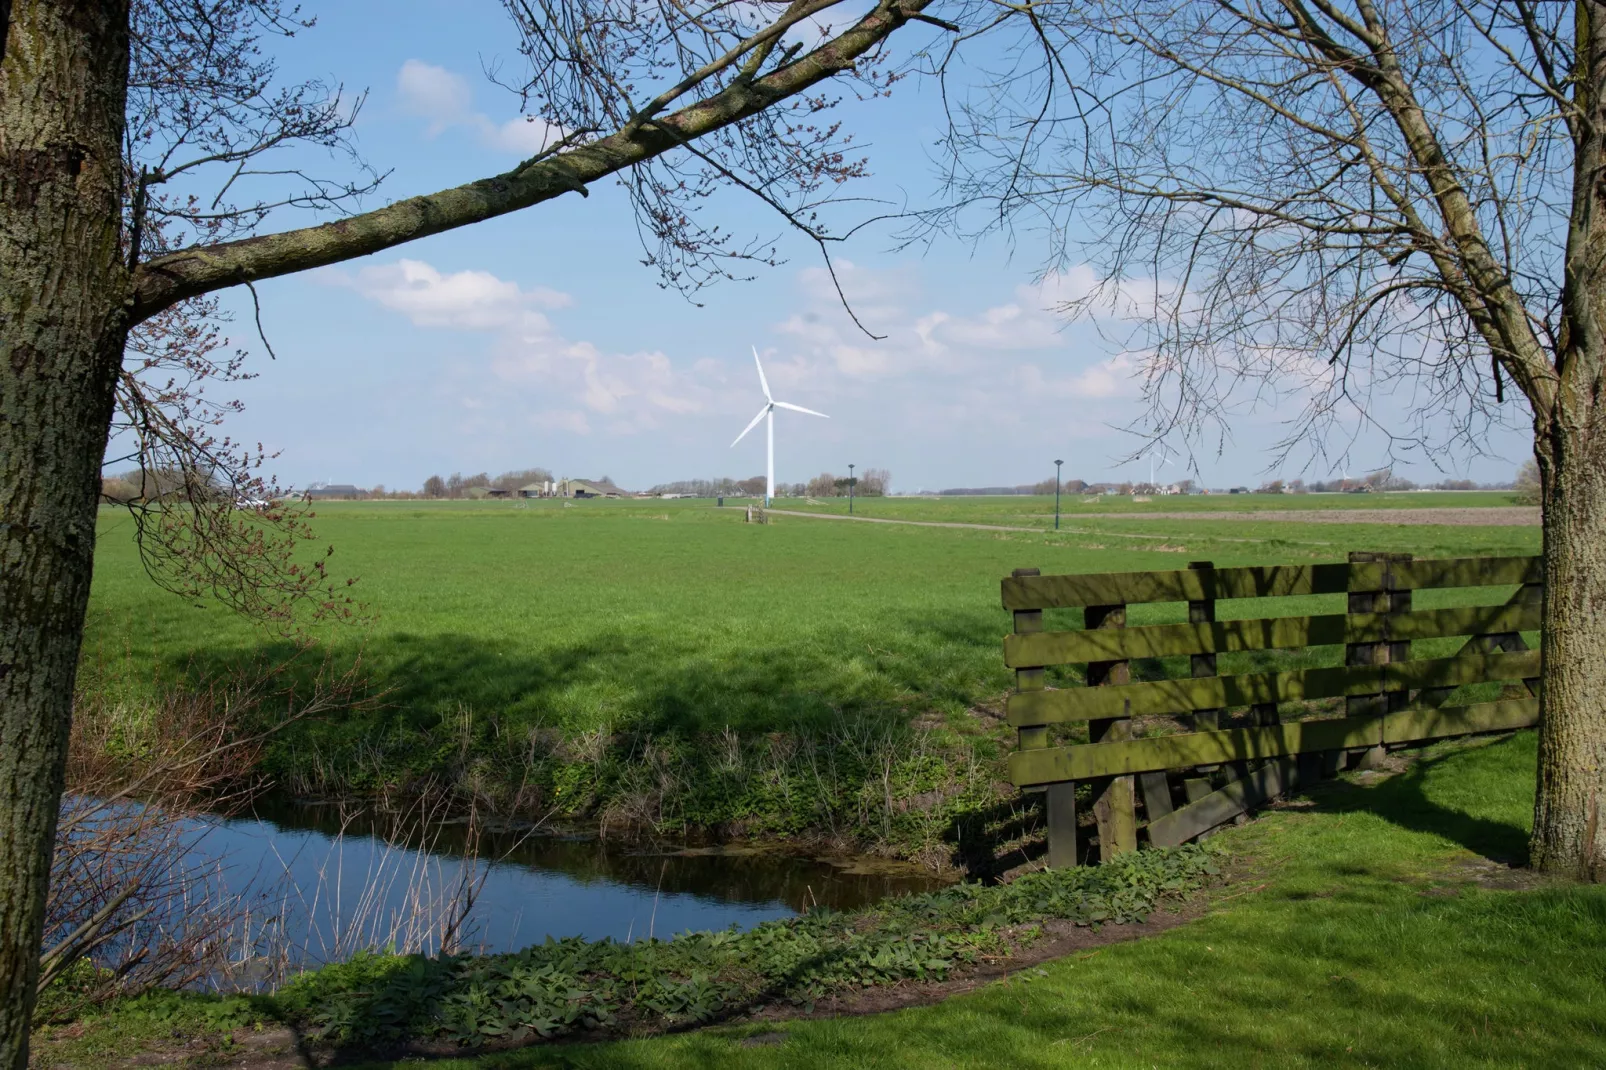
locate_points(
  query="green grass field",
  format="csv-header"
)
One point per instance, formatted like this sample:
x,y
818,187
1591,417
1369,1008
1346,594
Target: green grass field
x,y
1037,511
1372,922
533,643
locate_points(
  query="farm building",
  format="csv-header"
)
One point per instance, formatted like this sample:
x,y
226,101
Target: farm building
x,y
334,490
537,490
588,488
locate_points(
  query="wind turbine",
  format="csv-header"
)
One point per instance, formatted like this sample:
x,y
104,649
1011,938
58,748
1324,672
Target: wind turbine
x,y
1165,458
767,413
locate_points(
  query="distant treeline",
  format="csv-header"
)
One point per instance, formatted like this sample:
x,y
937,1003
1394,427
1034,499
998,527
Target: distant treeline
x,y
458,485
1382,479
1069,486
723,487
871,483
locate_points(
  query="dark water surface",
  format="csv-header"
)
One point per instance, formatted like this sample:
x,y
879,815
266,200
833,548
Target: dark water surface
x,y
344,879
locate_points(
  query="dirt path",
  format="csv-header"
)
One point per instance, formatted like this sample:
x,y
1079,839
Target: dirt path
x,y
910,523
1500,516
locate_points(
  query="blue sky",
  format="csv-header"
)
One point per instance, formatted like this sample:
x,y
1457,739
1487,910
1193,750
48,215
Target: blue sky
x,y
539,339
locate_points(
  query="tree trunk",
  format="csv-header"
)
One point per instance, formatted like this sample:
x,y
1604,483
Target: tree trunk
x,y
1569,836
62,316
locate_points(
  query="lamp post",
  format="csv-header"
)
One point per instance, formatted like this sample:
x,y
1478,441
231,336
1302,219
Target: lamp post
x,y
1057,494
851,483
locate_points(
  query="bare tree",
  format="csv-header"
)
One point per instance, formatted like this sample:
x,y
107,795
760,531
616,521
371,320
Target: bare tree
x,y
127,898
1527,484
521,477
144,149
208,522
1377,212
874,482
823,485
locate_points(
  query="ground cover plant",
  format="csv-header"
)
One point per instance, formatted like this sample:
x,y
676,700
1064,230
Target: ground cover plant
x,y
1374,921
563,987
1376,924
662,665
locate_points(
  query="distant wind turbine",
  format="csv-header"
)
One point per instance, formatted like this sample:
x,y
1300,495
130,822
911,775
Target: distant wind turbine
x,y
1165,459
768,413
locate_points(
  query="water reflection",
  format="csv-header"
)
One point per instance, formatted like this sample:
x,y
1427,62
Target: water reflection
x,y
369,878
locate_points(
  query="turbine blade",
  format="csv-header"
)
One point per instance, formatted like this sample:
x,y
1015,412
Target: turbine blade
x,y
763,382
761,414
799,408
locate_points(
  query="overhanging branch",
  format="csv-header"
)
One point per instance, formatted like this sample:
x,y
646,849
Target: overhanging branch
x,y
165,280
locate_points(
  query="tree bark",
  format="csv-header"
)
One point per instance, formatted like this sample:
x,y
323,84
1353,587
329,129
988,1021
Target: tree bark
x,y
1570,446
1569,836
62,327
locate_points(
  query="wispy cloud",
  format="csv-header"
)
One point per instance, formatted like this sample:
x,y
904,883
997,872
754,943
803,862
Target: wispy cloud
x,y
946,381
1020,343
575,386
466,300
446,101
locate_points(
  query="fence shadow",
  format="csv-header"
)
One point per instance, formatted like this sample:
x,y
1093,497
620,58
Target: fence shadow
x,y
1404,800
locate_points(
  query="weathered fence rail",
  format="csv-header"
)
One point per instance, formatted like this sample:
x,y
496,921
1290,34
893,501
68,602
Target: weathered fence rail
x,y
1214,746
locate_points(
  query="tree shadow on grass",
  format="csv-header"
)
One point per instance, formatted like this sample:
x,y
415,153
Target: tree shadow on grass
x,y
614,679
647,679
1411,800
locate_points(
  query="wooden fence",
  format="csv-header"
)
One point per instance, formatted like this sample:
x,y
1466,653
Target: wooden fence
x,y
1247,738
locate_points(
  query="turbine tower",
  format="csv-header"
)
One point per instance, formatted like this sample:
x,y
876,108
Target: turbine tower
x,y
767,413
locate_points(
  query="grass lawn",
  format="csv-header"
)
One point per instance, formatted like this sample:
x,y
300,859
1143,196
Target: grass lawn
x,y
1374,922
1360,937
675,614
658,660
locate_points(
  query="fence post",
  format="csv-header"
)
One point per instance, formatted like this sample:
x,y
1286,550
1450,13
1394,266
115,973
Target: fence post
x,y
1059,799
1114,805
1201,665
1388,598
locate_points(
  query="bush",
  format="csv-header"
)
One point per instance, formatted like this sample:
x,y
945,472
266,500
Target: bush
x,y
1527,484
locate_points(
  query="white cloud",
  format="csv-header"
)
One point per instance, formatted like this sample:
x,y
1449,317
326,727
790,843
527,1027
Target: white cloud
x,y
1021,338
446,100
1112,378
580,380
466,300
948,376
434,93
